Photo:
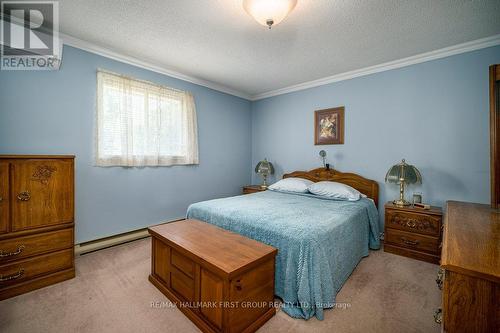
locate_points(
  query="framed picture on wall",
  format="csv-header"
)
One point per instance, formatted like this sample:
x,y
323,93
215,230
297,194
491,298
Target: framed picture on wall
x,y
329,126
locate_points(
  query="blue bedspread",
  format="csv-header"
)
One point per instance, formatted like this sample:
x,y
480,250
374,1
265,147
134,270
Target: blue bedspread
x,y
319,242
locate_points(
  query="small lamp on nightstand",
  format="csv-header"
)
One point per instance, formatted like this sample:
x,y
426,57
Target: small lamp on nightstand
x,y
403,174
264,168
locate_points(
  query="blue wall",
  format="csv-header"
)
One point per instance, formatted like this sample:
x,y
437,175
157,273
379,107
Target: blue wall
x,y
434,114
53,113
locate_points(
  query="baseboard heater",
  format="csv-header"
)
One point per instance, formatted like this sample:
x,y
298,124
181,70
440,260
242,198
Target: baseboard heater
x,y
115,240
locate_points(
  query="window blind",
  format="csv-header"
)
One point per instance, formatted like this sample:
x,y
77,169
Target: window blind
x,y
140,123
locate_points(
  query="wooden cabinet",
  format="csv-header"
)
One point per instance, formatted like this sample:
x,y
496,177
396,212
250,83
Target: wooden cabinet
x,y
471,260
222,281
413,232
252,189
36,222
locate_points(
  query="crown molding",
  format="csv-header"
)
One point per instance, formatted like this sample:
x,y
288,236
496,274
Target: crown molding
x,y
416,59
105,52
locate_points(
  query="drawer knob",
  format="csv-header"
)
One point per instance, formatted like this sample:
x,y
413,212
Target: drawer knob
x,y
438,316
15,276
238,285
20,249
24,196
440,278
409,242
1,199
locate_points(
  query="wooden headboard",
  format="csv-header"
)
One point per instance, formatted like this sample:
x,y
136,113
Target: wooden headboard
x,y
366,186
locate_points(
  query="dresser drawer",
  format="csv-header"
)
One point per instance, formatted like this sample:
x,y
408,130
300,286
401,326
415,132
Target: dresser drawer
x,y
412,240
414,222
22,247
22,270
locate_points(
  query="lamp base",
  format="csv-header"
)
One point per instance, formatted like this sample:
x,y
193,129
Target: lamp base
x,y
401,203
264,187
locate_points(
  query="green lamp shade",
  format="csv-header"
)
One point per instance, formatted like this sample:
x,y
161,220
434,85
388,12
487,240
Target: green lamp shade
x,y
403,172
264,168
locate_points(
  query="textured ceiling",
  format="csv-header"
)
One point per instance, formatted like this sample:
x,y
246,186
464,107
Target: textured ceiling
x,y
215,40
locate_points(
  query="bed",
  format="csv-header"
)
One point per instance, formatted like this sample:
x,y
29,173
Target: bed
x,y
319,241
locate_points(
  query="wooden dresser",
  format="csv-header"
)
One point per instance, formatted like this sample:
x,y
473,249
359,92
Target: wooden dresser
x,y
36,222
220,280
471,260
413,232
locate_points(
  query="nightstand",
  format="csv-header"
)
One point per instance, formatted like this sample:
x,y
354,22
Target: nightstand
x,y
413,232
252,189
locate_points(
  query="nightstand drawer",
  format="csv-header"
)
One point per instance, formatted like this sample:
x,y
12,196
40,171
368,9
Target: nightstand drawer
x,y
413,222
412,240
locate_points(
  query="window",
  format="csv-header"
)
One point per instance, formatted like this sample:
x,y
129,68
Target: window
x,y
143,124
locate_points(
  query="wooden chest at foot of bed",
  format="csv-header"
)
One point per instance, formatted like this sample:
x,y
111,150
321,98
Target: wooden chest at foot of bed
x,y
222,281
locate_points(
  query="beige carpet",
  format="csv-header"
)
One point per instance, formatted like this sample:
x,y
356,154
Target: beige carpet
x,y
111,293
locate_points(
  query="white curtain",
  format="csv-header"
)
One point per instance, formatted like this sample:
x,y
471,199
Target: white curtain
x,y
143,124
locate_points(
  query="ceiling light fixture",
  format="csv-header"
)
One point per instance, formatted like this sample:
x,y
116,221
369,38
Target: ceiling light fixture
x,y
269,12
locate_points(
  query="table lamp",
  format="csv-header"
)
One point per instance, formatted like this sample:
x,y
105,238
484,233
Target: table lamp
x,y
264,168
403,174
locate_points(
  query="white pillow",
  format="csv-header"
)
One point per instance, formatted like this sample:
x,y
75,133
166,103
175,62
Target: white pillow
x,y
335,190
298,185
